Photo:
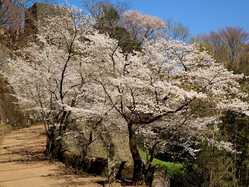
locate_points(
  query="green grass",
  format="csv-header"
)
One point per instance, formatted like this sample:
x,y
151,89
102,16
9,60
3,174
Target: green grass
x,y
172,168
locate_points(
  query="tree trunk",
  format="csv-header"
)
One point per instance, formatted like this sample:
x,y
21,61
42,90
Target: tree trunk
x,y
138,163
54,146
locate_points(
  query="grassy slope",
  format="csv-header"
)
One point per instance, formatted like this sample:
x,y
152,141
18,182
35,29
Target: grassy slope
x,y
171,168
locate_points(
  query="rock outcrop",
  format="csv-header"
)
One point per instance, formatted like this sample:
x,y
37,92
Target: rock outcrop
x,y
35,15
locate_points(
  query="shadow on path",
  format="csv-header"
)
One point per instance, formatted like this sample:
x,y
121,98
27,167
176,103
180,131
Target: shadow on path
x,y
22,163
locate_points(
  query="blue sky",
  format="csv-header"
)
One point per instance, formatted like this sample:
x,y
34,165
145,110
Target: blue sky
x,y
200,16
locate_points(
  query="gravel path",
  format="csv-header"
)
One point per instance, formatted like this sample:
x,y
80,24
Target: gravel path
x,y
22,163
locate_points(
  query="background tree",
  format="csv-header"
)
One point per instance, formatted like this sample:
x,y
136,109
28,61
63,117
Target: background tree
x,y
12,19
176,31
228,46
3,14
108,17
234,39
142,26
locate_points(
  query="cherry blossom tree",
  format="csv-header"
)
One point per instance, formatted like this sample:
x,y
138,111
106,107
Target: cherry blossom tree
x,y
12,18
162,82
47,80
141,26
176,31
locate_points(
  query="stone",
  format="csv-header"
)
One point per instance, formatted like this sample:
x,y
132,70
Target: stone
x,y
160,179
34,16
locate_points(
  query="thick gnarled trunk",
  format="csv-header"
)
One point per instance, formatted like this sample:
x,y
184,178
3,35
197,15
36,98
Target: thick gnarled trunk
x,y
54,145
138,163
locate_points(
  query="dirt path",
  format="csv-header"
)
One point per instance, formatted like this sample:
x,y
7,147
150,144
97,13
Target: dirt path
x,y
22,163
